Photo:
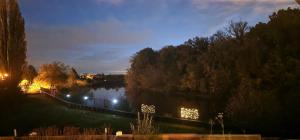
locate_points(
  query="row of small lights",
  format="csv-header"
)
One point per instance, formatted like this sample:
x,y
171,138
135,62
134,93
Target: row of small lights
x,y
114,101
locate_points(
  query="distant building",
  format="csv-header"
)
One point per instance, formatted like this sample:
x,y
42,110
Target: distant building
x,y
91,76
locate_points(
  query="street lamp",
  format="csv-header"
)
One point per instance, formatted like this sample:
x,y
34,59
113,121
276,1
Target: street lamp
x,y
68,95
85,97
114,101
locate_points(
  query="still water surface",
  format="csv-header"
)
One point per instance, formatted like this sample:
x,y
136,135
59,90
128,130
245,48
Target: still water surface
x,y
165,105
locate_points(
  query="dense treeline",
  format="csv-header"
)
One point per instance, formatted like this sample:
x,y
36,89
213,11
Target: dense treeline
x,y
251,73
110,81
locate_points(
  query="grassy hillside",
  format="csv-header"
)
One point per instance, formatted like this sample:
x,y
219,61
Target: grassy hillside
x,y
40,111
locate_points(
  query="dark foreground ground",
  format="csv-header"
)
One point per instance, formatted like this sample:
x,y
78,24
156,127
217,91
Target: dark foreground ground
x,y
36,111
144,137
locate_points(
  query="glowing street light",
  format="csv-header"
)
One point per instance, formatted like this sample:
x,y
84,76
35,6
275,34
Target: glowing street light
x,y
114,101
68,95
85,97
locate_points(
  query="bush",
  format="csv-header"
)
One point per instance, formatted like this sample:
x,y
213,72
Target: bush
x,y
144,126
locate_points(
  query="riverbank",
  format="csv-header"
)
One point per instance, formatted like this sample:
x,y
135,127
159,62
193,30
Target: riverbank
x,y
40,111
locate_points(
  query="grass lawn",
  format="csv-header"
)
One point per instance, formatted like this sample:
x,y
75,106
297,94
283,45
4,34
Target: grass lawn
x,y
40,111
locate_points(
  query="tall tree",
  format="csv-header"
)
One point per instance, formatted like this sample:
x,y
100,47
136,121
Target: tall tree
x,y
72,77
12,40
29,73
238,30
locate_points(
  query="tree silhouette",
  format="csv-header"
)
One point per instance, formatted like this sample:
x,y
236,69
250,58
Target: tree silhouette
x,y
250,73
12,40
29,73
55,74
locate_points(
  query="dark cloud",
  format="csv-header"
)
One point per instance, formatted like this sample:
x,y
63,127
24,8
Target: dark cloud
x,y
60,37
86,43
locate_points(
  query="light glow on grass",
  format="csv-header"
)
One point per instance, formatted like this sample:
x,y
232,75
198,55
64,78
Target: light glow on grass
x,y
33,88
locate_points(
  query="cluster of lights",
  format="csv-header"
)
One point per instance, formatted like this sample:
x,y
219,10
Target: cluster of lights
x,y
147,108
35,87
189,113
3,76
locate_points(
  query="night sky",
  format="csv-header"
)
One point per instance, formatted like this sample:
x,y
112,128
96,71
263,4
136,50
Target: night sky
x,y
100,36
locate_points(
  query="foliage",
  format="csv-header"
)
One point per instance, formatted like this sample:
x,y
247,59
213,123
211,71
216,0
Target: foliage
x,y
251,73
143,126
12,41
58,75
29,73
72,77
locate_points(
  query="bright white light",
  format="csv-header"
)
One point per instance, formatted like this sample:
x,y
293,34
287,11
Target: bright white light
x,y
68,95
85,97
115,101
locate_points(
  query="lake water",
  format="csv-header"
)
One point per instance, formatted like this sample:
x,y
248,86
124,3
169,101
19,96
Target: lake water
x,y
165,105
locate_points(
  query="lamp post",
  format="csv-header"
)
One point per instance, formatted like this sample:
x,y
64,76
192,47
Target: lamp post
x,y
114,101
68,95
85,100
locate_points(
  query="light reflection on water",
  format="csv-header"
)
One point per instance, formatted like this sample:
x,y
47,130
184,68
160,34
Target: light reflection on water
x,y
102,93
109,98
